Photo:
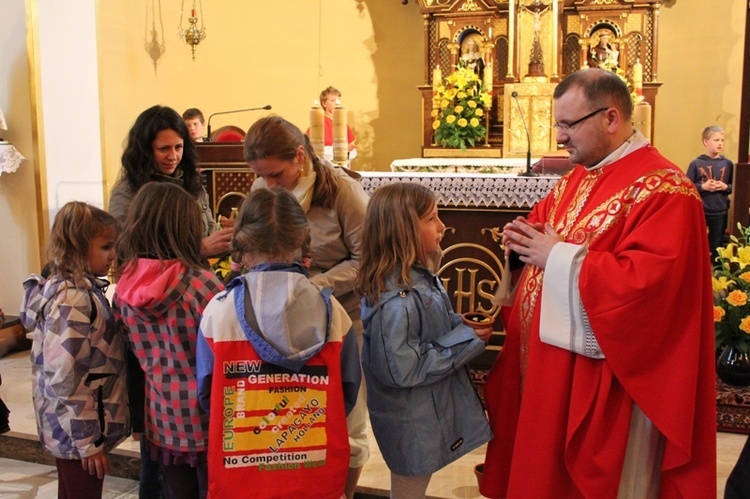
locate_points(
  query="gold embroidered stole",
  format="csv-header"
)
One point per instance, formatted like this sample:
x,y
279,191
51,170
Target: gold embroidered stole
x,y
577,225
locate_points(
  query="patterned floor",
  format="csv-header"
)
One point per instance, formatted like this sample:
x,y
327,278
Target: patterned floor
x,y
22,480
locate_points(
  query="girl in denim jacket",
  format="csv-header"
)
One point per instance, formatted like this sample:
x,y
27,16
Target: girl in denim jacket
x,y
423,408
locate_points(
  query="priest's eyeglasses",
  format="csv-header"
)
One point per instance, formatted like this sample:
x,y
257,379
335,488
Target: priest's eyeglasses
x,y
566,127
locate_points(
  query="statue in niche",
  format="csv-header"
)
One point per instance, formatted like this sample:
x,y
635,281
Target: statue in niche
x,y
604,54
471,54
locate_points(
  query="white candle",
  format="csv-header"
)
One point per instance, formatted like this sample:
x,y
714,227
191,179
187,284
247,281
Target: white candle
x,y
638,76
437,78
488,80
340,143
642,119
317,128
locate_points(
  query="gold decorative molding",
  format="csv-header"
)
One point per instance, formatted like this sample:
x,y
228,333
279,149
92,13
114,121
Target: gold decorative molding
x,y
495,232
472,152
535,99
469,6
444,30
471,281
574,24
634,23
604,2
500,26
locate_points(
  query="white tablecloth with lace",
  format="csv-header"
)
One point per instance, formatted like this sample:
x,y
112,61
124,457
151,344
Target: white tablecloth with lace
x,y
10,158
474,189
460,165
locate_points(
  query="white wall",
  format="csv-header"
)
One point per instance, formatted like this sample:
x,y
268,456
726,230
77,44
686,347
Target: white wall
x,y
19,241
69,93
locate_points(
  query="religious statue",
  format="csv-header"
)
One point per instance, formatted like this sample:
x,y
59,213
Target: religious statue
x,y
536,8
471,56
536,64
604,54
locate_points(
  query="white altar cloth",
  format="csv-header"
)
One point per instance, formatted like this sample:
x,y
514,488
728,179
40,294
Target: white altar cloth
x,y
461,165
474,189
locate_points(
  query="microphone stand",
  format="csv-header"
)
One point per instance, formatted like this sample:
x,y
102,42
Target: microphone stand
x,y
208,128
528,172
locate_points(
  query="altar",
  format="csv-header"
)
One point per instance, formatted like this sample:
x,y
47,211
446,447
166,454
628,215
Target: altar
x,y
460,165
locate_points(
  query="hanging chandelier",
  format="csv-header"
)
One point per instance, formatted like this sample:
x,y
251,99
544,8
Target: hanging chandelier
x,y
192,35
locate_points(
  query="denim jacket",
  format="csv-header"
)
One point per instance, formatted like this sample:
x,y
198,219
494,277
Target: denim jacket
x,y
424,410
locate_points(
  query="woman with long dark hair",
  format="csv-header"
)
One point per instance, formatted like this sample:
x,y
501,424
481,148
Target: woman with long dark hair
x,y
160,149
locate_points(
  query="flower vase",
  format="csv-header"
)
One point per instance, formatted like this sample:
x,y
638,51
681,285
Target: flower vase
x,y
733,366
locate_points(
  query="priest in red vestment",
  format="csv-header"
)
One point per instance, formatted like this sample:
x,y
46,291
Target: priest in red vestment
x,y
605,385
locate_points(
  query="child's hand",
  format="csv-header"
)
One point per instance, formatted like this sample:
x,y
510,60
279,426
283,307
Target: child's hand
x,y
484,334
98,463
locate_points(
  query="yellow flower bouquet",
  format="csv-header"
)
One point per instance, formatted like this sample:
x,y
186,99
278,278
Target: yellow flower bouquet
x,y
458,109
731,286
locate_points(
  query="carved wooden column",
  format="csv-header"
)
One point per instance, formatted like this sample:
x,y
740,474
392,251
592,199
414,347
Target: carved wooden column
x,y
511,41
655,60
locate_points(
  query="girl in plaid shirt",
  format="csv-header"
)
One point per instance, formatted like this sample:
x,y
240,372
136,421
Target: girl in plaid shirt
x,y
162,291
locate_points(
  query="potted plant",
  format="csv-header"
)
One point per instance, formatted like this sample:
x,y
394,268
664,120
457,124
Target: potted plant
x,y
731,287
459,107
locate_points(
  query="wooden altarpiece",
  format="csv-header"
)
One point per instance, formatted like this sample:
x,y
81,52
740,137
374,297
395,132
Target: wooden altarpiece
x,y
537,42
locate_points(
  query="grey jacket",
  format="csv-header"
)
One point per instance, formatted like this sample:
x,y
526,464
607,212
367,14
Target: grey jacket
x,y
424,410
336,239
122,195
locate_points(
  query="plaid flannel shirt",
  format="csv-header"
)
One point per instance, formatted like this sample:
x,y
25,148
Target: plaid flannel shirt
x,y
163,335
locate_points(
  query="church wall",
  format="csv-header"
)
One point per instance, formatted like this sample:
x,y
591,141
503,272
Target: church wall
x,y
19,254
278,53
700,66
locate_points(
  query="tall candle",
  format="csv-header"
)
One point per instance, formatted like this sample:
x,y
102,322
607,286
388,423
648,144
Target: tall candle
x,y
317,128
340,142
638,77
642,118
437,78
488,79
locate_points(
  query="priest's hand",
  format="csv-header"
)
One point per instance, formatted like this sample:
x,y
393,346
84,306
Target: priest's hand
x,y
510,229
532,244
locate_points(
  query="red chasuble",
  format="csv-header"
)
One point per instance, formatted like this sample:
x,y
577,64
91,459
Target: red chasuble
x,y
561,420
